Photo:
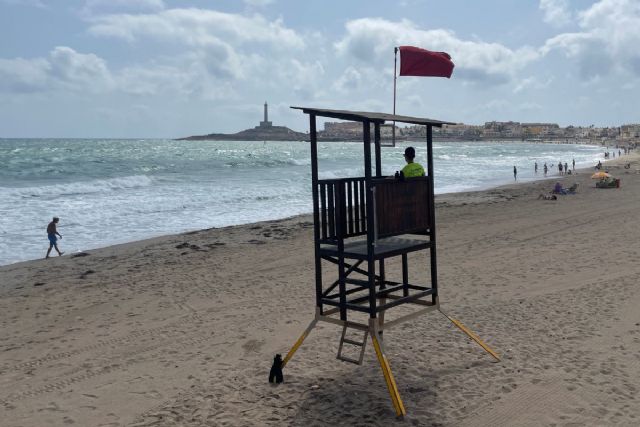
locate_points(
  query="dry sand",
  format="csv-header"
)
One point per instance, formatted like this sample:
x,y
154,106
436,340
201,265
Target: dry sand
x,y
181,330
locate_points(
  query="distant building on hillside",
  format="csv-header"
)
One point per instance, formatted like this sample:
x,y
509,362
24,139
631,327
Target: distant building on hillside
x,y
630,131
502,130
343,129
538,130
353,130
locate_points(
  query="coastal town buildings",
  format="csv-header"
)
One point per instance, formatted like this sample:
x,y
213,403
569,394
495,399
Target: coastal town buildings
x,y
489,131
494,130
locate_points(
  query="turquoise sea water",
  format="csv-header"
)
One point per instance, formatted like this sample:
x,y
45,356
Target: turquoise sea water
x,y
115,191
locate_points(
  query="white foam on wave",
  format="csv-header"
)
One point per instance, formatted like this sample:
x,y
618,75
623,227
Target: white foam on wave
x,y
88,187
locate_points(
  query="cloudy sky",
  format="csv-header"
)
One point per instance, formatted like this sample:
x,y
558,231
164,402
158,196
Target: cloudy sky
x,y
163,68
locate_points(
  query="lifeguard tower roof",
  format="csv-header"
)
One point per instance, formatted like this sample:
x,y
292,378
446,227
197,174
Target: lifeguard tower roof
x,y
361,116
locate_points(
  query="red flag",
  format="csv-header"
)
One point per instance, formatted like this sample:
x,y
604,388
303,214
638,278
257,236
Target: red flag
x,y
415,61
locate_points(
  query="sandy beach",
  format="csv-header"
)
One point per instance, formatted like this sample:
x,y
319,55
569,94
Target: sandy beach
x,y
181,330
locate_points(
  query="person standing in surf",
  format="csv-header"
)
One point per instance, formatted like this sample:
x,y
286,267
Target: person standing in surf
x,y
52,232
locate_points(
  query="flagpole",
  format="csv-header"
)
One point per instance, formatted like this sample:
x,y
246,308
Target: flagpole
x,y
395,67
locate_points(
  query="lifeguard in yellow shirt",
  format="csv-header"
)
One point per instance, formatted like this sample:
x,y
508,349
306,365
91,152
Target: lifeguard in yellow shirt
x,y
412,169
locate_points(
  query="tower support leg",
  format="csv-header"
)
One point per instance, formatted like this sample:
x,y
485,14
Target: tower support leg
x,y
386,370
299,342
471,335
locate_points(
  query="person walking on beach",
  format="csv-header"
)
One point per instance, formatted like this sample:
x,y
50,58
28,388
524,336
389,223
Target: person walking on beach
x,y
535,167
412,169
560,168
515,174
52,231
573,163
566,168
546,169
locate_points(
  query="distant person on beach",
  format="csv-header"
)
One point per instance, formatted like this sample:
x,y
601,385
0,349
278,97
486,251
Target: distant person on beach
x,y
560,168
573,163
535,167
412,169
515,174
52,232
546,169
566,167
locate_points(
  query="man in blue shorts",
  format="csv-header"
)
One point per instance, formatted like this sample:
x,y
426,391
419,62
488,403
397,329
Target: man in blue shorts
x,y
52,231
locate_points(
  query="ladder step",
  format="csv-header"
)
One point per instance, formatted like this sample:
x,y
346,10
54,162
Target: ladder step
x,y
362,344
348,359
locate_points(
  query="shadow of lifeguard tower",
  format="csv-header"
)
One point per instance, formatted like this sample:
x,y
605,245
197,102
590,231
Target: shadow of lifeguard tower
x,y
360,222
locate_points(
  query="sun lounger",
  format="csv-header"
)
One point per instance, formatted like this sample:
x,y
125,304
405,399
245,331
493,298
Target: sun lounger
x,y
559,190
572,190
608,183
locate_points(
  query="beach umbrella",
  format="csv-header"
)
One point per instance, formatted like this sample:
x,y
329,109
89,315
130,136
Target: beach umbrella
x,y
600,175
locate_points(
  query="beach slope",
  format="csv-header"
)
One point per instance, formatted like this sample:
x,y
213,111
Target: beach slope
x,y
181,330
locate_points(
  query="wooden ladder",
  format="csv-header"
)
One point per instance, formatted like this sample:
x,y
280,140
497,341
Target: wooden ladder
x,y
344,340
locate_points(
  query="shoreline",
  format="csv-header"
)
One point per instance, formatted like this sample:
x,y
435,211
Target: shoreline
x,y
445,197
181,329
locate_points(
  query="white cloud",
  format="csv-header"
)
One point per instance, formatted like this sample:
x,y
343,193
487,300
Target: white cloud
x,y
35,3
97,7
608,40
198,27
219,49
350,80
556,12
80,71
529,106
371,41
64,68
258,3
23,75
532,83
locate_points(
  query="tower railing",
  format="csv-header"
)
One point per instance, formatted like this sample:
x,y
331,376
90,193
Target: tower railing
x,y
400,207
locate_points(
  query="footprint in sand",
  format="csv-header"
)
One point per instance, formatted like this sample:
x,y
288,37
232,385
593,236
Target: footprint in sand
x,y
252,346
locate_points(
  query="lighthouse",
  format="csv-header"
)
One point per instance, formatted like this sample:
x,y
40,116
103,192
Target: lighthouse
x,y
265,123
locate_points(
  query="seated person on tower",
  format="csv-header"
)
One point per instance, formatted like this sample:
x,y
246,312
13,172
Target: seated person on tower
x,y
412,169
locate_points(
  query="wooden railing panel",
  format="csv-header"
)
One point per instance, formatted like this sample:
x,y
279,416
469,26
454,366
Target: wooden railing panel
x,y
402,206
342,213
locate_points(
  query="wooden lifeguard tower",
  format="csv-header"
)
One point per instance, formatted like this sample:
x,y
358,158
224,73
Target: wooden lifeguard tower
x,y
360,222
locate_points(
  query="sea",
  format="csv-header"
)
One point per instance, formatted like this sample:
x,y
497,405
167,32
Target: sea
x,y
110,191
